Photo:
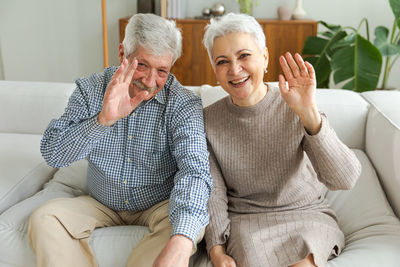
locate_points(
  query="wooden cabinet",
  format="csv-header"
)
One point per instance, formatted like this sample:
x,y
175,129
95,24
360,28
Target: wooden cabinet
x,y
194,68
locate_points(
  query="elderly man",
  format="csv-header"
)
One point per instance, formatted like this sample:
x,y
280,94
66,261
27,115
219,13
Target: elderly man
x,y
143,136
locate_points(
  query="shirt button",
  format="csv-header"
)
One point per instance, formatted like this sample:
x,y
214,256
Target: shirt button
x,y
130,137
128,160
133,114
126,202
125,181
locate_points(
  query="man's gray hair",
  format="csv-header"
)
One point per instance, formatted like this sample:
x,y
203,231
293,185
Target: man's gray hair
x,y
232,23
155,34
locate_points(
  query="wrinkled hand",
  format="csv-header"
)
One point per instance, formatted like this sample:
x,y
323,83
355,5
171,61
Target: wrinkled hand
x,y
220,259
117,103
176,253
300,96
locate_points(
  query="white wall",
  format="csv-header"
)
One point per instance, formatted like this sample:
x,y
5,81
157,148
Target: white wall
x,y
60,40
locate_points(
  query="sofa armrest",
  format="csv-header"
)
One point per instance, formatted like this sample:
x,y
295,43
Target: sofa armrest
x,y
15,190
383,141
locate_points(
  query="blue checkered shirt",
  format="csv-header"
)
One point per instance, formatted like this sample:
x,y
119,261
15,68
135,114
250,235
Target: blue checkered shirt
x,y
157,152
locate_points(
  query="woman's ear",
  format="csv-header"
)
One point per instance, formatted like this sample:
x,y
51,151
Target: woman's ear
x,y
266,57
121,53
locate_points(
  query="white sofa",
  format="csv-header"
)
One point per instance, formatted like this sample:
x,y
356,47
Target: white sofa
x,y
368,214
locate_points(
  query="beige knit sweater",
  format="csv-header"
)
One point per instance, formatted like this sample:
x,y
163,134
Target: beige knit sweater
x,y
262,160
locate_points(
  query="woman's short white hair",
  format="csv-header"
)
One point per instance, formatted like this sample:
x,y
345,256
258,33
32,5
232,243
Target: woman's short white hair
x,y
154,33
231,23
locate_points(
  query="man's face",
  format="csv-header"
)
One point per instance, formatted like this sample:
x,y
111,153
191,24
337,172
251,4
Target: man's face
x,y
151,73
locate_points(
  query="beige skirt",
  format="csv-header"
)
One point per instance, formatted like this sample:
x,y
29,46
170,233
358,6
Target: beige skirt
x,y
283,238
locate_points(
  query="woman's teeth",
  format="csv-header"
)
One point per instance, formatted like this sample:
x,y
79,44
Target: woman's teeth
x,y
239,81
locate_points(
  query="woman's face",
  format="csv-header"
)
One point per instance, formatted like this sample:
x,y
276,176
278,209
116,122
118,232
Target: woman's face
x,y
239,66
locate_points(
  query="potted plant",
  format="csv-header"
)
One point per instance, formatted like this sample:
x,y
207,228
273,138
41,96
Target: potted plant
x,y
353,59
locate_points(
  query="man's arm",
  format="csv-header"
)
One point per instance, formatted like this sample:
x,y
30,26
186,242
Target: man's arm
x,y
89,116
188,202
71,137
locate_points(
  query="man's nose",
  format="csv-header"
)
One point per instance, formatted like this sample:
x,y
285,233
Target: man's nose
x,y
150,79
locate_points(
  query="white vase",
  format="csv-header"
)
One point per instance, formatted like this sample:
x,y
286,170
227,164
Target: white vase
x,y
298,12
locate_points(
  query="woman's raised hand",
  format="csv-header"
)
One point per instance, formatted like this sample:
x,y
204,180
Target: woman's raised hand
x,y
299,91
117,102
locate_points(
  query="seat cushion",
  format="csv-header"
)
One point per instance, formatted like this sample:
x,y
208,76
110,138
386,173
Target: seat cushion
x,y
371,230
23,171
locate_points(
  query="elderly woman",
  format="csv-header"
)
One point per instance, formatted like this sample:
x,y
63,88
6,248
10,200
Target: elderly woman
x,y
271,153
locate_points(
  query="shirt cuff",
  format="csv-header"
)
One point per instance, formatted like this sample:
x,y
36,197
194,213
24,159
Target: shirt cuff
x,y
187,226
94,131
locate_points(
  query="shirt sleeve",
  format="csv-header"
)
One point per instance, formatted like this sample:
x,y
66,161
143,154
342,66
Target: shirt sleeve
x,y
192,182
218,230
71,137
335,164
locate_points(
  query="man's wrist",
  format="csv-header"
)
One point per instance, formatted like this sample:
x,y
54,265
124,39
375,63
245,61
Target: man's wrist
x,y
104,122
182,241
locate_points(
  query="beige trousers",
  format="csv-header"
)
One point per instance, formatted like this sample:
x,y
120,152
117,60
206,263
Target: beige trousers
x,y
59,231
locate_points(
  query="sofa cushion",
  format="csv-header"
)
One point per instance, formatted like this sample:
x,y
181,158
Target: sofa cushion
x,y
372,231
23,171
28,107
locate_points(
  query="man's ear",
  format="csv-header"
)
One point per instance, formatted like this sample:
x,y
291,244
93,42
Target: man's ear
x,y
121,53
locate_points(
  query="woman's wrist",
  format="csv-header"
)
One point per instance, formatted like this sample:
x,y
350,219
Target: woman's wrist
x,y
217,251
311,120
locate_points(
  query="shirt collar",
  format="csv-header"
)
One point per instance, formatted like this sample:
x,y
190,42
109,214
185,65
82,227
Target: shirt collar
x,y
161,96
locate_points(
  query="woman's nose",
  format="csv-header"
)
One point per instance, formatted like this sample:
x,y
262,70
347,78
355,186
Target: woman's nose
x,y
235,68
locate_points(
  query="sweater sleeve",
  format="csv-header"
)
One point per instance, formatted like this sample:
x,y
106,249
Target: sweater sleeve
x,y
217,232
335,164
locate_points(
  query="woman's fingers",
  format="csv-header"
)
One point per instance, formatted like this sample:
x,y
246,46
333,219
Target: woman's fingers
x,y
310,70
293,65
285,68
301,64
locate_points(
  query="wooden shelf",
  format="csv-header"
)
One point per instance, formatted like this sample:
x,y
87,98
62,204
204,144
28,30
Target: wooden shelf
x,y
194,68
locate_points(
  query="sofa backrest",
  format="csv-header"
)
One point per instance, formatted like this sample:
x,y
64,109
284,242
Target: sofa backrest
x,y
28,107
383,141
347,111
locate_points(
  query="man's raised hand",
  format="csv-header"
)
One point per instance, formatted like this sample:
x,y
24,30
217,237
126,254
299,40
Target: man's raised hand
x,y
117,101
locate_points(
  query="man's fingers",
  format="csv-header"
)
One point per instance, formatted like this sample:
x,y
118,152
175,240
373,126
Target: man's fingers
x,y
139,97
130,71
120,71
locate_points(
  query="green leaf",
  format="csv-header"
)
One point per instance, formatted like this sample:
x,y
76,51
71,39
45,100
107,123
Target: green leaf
x,y
382,43
314,45
381,35
395,5
324,70
331,27
358,65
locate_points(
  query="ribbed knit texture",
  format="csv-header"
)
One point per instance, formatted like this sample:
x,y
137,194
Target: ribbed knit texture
x,y
268,178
